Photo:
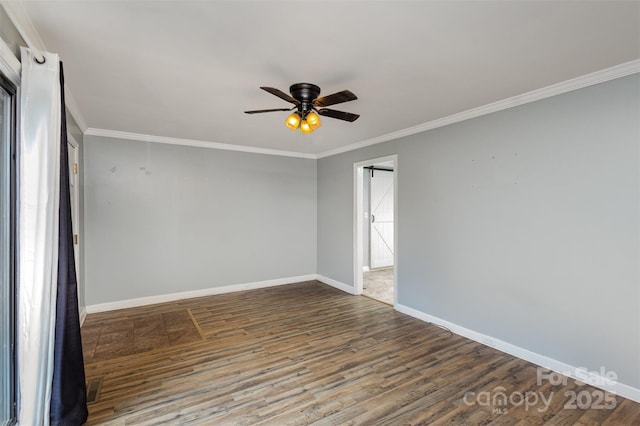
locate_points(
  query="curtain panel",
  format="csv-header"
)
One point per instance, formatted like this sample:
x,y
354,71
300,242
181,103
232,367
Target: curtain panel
x,y
38,204
69,392
51,379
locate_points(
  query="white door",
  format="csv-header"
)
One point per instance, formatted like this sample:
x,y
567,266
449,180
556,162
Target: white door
x,y
74,192
381,219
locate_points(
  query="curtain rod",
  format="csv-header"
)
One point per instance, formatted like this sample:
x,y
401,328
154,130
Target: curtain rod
x,y
383,169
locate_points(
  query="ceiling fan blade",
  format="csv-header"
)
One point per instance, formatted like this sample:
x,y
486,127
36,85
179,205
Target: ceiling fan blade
x,y
336,98
281,95
340,115
258,111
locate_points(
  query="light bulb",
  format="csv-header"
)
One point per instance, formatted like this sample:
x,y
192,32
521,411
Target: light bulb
x,y
305,127
293,121
313,120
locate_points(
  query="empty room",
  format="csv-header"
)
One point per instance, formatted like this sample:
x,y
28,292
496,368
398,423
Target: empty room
x,y
313,212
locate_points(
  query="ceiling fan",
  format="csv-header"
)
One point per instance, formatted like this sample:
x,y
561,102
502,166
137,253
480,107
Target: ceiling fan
x,y
307,106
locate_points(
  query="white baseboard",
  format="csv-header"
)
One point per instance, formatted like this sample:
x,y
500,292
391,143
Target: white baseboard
x,y
83,315
577,373
593,379
365,269
337,284
163,298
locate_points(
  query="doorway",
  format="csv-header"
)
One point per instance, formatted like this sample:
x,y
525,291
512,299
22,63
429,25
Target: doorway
x,y
74,192
375,237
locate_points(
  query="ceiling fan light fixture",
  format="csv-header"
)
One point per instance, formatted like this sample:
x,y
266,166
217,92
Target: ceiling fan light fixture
x,y
309,106
314,120
305,127
293,121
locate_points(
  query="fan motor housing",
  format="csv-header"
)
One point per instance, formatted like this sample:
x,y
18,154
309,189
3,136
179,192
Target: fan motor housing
x,y
304,92
305,97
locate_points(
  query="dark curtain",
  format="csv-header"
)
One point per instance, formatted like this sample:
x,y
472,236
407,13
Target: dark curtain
x,y
69,392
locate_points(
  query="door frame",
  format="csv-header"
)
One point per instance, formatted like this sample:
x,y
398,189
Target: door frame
x,y
75,207
358,222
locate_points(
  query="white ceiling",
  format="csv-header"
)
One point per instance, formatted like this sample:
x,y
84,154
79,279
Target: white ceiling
x,y
188,69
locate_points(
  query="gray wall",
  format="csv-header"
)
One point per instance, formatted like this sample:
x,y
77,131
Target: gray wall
x,y
164,218
522,225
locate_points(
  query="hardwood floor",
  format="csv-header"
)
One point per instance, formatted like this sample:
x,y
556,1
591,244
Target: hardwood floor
x,y
309,354
126,334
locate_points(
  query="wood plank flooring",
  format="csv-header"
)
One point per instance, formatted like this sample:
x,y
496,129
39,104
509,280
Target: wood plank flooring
x,y
309,354
115,336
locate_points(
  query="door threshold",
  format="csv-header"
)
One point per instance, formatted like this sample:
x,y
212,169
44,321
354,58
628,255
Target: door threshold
x,y
377,300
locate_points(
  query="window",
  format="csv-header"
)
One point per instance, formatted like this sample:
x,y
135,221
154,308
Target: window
x,y
7,251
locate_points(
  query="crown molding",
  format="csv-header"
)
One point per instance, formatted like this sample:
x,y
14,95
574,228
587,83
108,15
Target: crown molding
x,y
114,134
16,12
9,64
618,71
23,24
20,19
